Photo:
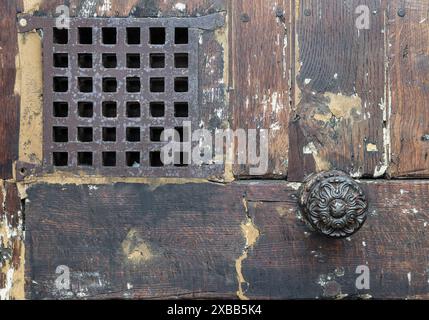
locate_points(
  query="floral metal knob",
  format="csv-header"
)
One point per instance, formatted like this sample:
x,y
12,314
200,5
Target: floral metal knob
x,y
334,204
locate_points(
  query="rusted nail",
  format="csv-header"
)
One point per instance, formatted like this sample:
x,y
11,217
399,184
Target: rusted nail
x,y
401,12
307,12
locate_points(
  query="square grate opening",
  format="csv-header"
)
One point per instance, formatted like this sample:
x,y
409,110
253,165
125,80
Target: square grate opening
x,y
112,86
115,88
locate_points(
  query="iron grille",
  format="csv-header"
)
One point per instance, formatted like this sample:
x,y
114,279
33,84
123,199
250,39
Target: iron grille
x,y
111,86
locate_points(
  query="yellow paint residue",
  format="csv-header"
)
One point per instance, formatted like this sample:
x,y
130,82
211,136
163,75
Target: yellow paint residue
x,y
251,235
371,147
342,106
31,5
281,211
18,284
29,86
135,249
65,178
322,117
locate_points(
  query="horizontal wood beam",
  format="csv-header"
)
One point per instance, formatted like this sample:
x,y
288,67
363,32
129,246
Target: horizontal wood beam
x,y
205,240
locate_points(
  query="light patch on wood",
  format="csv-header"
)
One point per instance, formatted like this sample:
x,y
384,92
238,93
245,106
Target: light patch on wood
x,y
105,8
88,8
380,170
29,86
281,211
65,178
251,235
180,6
371,147
324,117
321,164
18,286
135,248
221,37
344,107
31,5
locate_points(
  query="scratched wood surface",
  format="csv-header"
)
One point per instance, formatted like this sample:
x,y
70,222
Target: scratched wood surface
x,y
288,261
409,81
215,241
11,243
9,102
134,241
260,75
337,120
324,88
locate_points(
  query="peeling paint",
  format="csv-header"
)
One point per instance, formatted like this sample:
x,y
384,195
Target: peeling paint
x,y
105,7
31,5
180,6
11,238
251,235
371,147
29,86
88,8
346,107
135,249
380,170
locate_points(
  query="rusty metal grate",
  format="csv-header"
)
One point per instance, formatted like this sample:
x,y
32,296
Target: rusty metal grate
x,y
111,86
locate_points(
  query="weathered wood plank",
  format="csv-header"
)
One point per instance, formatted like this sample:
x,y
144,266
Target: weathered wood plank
x,y
206,240
337,121
9,101
288,261
409,87
11,243
134,241
260,75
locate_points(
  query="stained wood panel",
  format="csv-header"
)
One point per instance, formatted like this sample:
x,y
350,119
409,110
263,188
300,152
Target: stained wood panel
x,y
409,88
290,262
242,240
339,98
260,75
134,241
9,102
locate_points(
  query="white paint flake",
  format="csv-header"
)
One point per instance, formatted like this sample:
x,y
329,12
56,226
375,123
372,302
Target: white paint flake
x,y
180,6
105,7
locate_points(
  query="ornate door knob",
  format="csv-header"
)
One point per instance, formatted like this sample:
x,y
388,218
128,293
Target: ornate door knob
x,y
333,203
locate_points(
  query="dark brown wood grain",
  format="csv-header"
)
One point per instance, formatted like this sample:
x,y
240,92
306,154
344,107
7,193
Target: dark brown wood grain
x,y
134,241
337,117
260,75
409,88
187,239
9,101
291,262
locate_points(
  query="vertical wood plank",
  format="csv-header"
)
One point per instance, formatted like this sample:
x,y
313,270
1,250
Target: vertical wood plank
x,y
9,101
409,81
337,121
260,75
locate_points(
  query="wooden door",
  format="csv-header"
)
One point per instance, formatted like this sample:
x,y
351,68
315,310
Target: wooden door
x,y
330,85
